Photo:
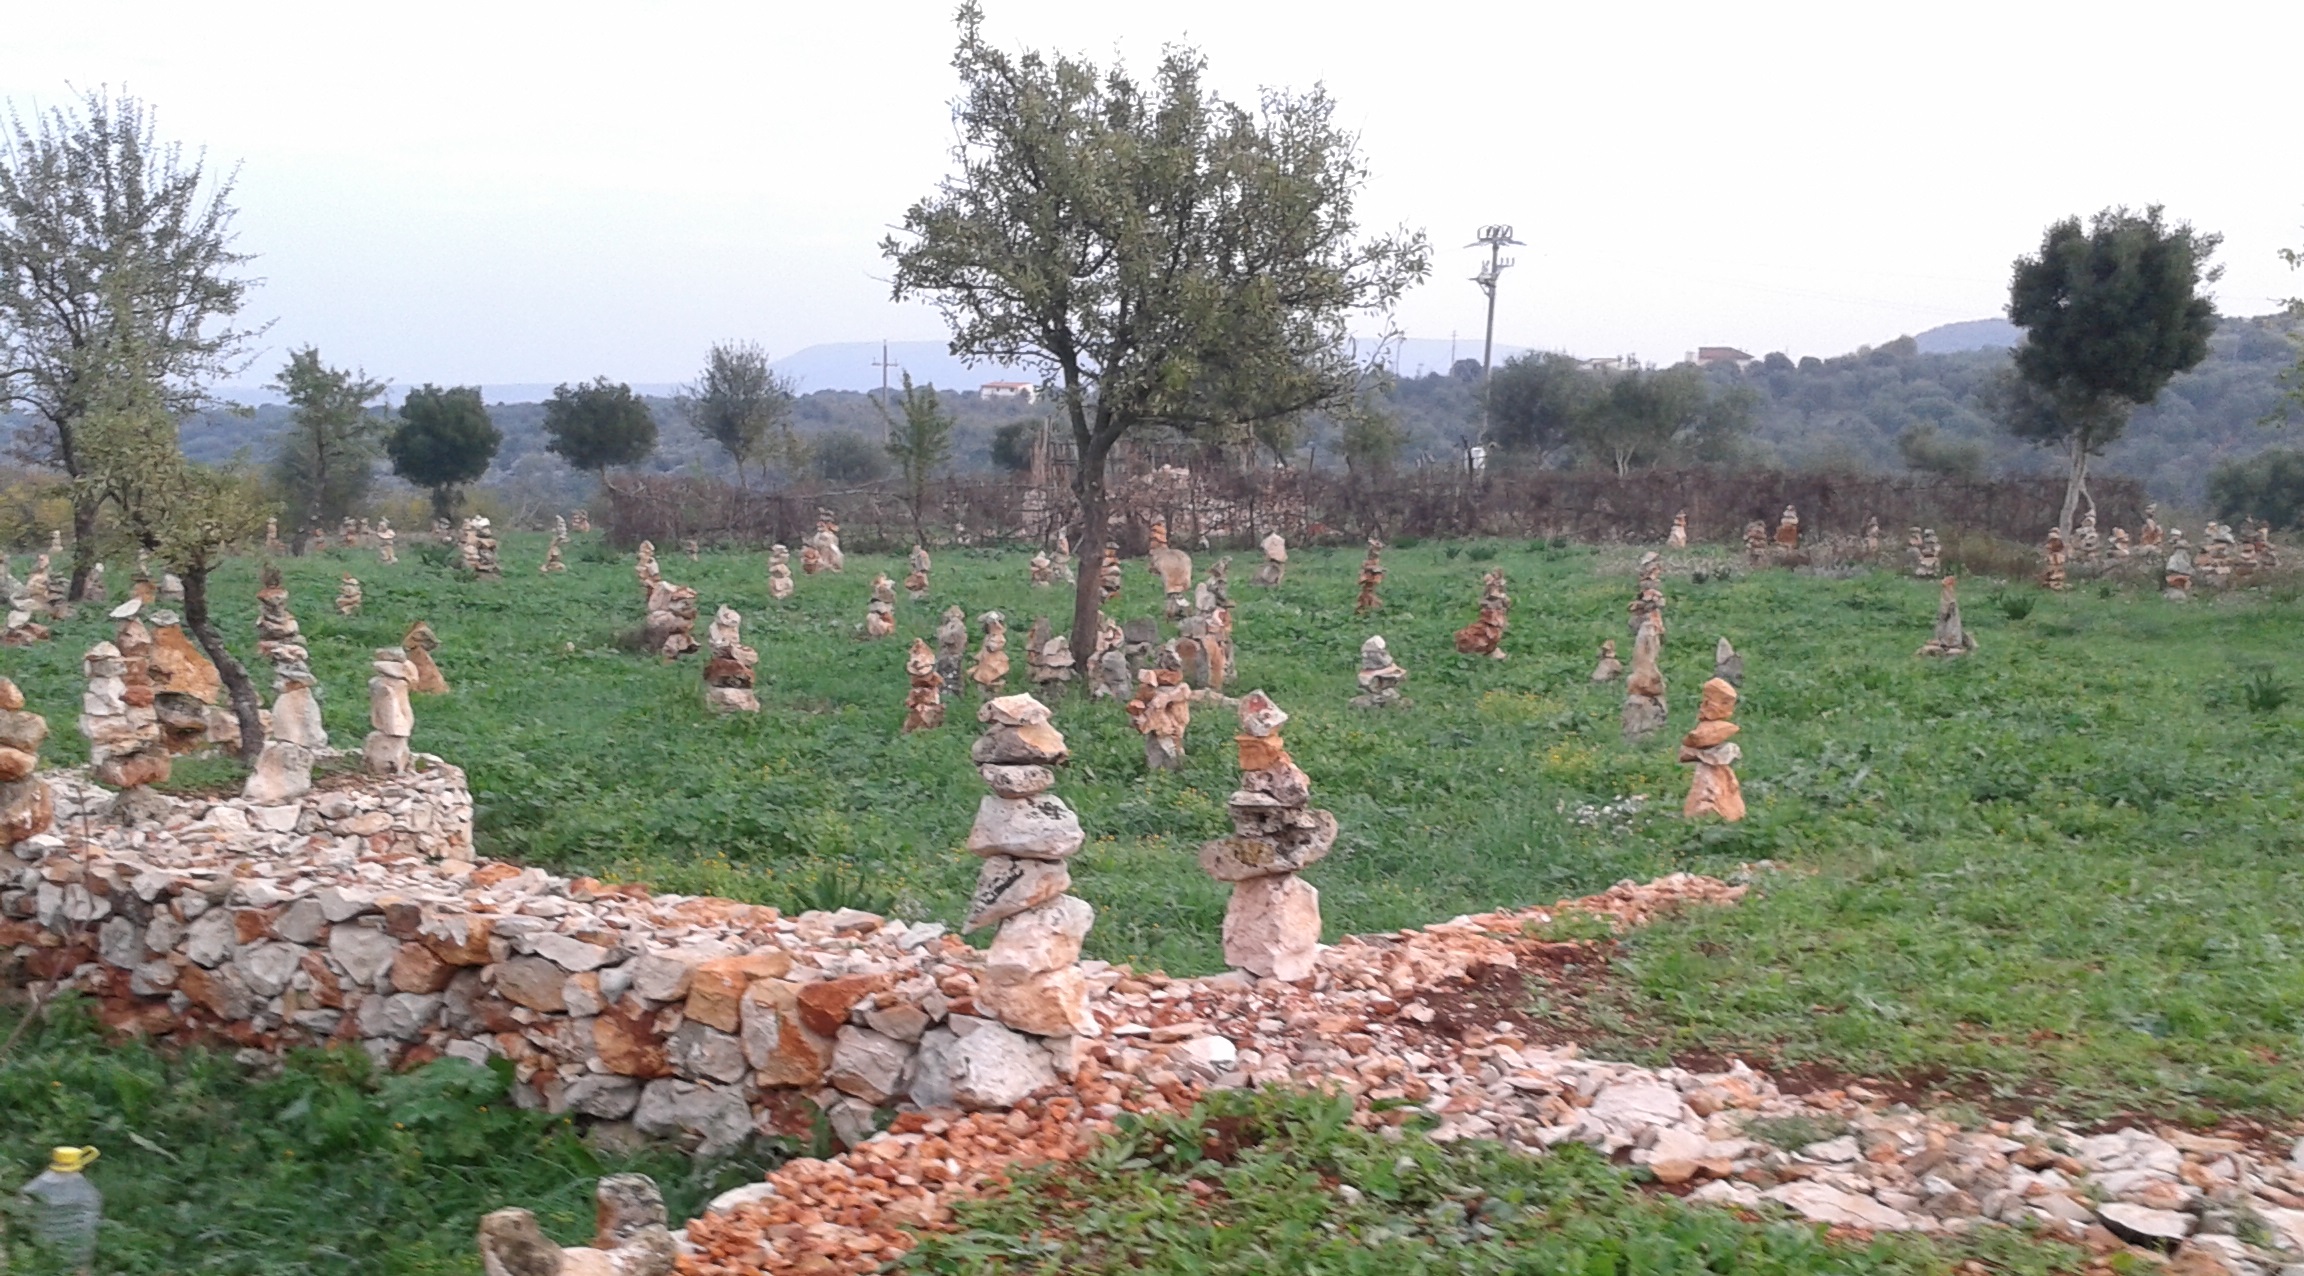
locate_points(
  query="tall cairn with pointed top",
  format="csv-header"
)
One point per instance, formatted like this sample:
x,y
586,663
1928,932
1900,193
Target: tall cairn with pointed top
x,y
1024,834
1272,926
1371,575
916,581
390,715
1645,710
387,542
990,670
1677,538
1951,639
728,675
1713,750
924,702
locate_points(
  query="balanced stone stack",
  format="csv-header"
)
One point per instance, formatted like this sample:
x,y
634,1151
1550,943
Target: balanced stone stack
x,y
390,717
316,537
1272,925
1713,750
272,546
1035,640
485,565
1161,710
951,646
1371,575
552,561
580,521
1108,576
1678,537
779,572
1788,529
1174,568
2118,549
1109,677
728,675
1645,710
1756,541
1912,552
2055,554
2177,581
1043,570
670,627
645,567
275,624
880,612
1610,668
387,541
348,596
22,630
1931,553
125,750
2085,541
349,530
2149,535
56,584
2219,550
443,533
692,549
1871,536
924,703
1204,638
1032,981
93,590
990,670
1951,639
1485,635
1379,677
284,769
916,581
420,642
1274,568
27,807
1056,663
822,548
468,545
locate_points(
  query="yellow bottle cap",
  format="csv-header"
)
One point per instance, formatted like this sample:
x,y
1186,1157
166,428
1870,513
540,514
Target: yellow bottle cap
x,y
71,1160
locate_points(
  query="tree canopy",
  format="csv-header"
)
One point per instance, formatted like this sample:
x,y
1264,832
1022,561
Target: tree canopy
x,y
741,403
597,424
2111,311
1163,256
919,441
1536,402
326,458
104,228
444,441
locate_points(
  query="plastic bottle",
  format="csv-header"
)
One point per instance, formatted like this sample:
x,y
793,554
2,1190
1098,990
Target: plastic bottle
x,y
66,1206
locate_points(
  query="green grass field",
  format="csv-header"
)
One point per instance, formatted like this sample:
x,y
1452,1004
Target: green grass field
x,y
2058,873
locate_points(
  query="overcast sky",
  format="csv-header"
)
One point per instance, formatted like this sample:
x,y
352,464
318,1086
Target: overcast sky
x,y
499,192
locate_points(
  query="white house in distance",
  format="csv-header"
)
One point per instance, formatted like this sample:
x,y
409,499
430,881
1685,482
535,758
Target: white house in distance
x,y
1023,391
1706,356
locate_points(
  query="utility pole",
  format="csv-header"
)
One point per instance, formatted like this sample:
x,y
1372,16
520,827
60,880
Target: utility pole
x,y
1496,238
884,365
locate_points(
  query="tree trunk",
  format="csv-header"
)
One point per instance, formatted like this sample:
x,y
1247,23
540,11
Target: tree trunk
x,y
245,704
2076,479
83,545
1087,595
444,503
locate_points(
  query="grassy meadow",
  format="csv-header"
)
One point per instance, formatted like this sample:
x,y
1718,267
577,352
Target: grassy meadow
x,y
2059,873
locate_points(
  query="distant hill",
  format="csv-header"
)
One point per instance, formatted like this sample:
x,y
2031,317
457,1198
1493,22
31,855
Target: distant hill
x,y
1972,334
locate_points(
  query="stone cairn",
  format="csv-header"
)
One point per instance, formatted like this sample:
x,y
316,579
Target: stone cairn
x,y
1109,677
1174,568
272,546
1379,678
880,612
1714,790
1043,569
1371,575
142,587
1204,638
27,807
1678,537
2086,542
951,646
1024,834
59,580
118,716
349,532
1645,710
1035,640
2118,549
1272,925
670,627
284,768
692,549
1951,639
1108,575
1756,541
420,642
551,561
1064,557
484,551
387,542
442,532
631,1237
1274,568
2149,535
1056,664
1610,668
1161,710
645,568
348,596
811,558
779,572
924,703
2218,550
1727,666
2177,581
728,675
1871,535
580,521
1931,554
391,718
468,545
26,603
1788,529
916,580
2056,555
1485,635
826,542
93,590
2259,551
990,671
275,624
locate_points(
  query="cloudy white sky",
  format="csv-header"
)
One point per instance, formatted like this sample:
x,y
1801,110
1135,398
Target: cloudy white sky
x,y
500,192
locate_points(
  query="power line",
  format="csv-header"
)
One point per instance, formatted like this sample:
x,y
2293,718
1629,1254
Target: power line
x,y
1496,238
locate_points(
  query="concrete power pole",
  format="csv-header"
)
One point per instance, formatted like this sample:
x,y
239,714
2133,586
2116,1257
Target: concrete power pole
x,y
1497,238
884,364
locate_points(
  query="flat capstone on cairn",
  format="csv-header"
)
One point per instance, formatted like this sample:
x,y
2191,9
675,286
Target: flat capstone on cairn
x,y
1160,711
1711,747
924,702
1032,980
348,596
2056,556
1727,666
1173,567
1677,538
1951,639
391,719
27,806
990,670
1371,575
1609,669
420,642
1788,529
880,611
1379,677
387,542
2176,582
916,580
1043,569
951,646
779,572
1108,576
1274,568
1272,925
728,672
117,715
1485,635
